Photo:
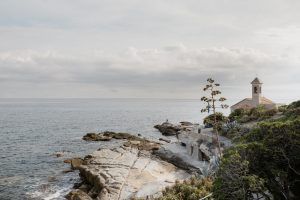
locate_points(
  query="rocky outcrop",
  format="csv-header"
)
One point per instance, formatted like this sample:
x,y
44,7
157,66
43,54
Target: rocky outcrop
x,y
126,172
167,129
132,140
138,168
178,161
78,195
108,135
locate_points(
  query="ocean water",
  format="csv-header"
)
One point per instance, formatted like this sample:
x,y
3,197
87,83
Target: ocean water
x,y
33,130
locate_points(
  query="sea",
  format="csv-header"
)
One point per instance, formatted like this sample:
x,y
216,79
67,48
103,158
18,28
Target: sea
x,y
33,131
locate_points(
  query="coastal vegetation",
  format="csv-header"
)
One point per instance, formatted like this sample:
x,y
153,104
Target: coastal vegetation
x,y
192,189
263,163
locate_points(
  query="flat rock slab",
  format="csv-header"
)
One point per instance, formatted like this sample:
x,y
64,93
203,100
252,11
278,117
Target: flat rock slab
x,y
124,173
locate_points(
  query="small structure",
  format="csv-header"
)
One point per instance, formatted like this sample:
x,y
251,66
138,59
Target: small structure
x,y
256,99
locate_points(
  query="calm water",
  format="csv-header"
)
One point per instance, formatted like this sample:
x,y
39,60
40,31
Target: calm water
x,y
32,130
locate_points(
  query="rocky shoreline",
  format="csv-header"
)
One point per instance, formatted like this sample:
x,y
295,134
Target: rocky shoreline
x,y
139,168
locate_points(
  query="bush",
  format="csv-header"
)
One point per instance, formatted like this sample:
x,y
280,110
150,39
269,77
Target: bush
x,y
209,120
234,180
292,111
233,130
255,114
266,162
192,189
237,114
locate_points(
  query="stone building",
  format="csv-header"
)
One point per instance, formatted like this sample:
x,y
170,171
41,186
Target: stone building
x,y
256,100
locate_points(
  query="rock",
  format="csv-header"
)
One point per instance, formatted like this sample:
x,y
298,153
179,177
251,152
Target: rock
x,y
90,137
67,171
68,161
107,136
78,195
143,144
184,123
167,129
165,140
132,140
96,137
76,163
59,154
126,173
84,187
52,179
176,160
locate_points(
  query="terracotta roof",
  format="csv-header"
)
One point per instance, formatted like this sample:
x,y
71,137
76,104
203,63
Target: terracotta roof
x,y
264,100
246,99
256,80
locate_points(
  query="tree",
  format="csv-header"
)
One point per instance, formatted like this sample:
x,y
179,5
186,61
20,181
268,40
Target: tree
x,y
234,180
211,100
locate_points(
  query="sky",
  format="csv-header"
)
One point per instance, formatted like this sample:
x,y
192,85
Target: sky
x,y
148,48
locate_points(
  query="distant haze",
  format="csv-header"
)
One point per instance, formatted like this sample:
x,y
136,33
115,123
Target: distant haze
x,y
148,49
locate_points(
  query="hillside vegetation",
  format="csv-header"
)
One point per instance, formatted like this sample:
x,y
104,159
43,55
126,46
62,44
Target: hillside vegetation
x,y
264,163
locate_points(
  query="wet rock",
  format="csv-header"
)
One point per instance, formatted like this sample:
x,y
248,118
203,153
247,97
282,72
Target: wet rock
x,y
68,161
78,195
76,163
96,137
52,179
107,136
67,171
59,154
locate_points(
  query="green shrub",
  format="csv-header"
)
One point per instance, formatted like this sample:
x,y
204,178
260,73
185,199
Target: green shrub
x,y
192,189
209,120
237,114
255,114
265,162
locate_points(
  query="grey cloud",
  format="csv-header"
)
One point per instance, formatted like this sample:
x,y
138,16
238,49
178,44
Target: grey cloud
x,y
178,66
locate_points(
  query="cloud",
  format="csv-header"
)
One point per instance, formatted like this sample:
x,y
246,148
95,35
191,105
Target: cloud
x,y
89,48
147,70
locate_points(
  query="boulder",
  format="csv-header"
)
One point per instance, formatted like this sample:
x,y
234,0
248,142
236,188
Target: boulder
x,y
76,163
167,129
78,195
59,154
176,160
185,123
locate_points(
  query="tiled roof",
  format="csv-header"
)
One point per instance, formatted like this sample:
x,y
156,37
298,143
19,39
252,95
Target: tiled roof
x,y
264,100
246,99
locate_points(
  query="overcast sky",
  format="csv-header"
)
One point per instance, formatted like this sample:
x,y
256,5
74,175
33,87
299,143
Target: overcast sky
x,y
148,48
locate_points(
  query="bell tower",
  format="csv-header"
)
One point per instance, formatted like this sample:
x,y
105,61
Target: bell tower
x,y
256,91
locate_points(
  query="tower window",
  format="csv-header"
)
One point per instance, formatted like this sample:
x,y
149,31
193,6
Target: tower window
x,y
255,90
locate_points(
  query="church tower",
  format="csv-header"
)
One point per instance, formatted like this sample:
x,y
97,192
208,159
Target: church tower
x,y
256,91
